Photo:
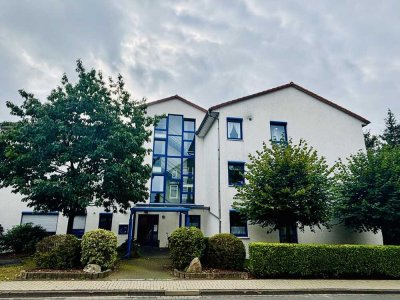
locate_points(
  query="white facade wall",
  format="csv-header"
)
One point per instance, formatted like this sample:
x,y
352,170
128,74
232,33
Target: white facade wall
x,y
332,132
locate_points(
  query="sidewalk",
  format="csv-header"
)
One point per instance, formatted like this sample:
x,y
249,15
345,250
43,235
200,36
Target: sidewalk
x,y
194,287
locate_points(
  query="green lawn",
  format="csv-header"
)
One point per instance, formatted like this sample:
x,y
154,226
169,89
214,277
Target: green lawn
x,y
10,272
142,268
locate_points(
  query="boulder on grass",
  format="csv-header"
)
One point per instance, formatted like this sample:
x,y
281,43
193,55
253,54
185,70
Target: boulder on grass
x,y
195,266
92,268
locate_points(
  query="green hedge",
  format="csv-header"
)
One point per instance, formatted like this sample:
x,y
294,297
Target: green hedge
x,y
184,245
226,251
58,252
99,247
271,260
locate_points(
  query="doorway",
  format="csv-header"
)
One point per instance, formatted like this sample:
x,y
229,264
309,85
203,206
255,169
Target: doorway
x,y
147,234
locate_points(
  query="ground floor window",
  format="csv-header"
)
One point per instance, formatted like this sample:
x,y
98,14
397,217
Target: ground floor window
x,y
105,221
78,228
194,221
288,234
238,224
47,220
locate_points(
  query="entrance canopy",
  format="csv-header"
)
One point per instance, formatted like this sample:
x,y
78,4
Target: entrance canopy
x,y
158,208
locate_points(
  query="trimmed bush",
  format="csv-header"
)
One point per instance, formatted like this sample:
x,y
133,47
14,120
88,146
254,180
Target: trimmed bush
x,y
99,247
226,251
184,245
22,239
272,260
58,252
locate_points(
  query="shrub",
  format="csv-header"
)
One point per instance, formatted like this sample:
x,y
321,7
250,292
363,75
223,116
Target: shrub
x,y
99,247
135,249
271,260
184,245
58,252
22,239
1,230
226,251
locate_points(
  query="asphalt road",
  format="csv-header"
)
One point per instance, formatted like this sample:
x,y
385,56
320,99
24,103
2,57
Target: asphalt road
x,y
263,297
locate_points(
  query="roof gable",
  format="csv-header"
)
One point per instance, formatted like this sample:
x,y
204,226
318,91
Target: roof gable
x,y
293,85
177,97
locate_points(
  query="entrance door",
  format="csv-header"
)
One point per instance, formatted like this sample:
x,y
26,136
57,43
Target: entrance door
x,y
147,234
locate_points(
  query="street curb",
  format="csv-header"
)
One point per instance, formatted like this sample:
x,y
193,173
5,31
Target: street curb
x,y
122,292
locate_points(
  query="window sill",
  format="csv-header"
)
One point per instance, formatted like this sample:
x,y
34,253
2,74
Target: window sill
x,y
243,237
235,140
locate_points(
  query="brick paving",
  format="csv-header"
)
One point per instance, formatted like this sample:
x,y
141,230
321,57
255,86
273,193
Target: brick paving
x,y
200,285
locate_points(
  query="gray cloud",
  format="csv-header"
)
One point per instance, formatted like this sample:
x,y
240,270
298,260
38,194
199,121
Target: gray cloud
x,y
209,51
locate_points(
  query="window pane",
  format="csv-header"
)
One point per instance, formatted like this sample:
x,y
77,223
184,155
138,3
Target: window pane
x,y
188,198
188,165
187,184
234,130
278,133
159,147
174,145
238,224
175,125
162,124
174,168
189,136
157,184
160,134
235,173
194,221
188,148
158,164
157,198
189,125
172,191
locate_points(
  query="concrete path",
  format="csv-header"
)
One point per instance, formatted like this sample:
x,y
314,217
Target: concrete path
x,y
195,287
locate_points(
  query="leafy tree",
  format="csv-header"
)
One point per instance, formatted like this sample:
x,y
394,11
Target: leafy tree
x,y
286,184
391,134
83,146
368,192
371,140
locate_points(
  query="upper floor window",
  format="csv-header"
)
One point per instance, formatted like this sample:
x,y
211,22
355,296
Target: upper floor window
x,y
234,129
278,132
235,173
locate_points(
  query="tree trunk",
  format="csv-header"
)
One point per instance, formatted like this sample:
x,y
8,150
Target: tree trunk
x,y
70,226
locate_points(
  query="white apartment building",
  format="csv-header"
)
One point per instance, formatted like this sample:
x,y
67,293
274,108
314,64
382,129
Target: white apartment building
x,y
198,156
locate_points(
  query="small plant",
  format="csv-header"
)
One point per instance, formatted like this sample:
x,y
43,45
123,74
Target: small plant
x,y
99,247
184,245
58,252
22,239
226,251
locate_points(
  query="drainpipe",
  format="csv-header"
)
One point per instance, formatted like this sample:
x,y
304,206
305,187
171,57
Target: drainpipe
x,y
219,175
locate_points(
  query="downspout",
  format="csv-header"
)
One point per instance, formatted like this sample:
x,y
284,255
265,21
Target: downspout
x,y
219,176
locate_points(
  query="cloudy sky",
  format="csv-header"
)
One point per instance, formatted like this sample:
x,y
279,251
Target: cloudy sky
x,y
208,51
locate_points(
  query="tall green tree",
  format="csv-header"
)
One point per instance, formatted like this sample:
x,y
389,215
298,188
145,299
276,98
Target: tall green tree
x,y
368,192
84,145
391,134
286,184
371,140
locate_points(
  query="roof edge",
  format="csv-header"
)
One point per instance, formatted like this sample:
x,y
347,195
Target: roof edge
x,y
299,88
179,98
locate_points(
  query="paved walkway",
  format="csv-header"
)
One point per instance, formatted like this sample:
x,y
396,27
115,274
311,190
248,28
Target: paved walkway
x,y
195,287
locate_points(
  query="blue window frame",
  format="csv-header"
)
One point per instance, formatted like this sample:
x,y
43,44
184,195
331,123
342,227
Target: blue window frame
x,y
288,234
194,221
235,173
238,224
234,128
173,160
123,229
278,132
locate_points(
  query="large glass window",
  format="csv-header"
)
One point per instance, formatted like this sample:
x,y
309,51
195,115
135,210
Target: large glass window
x,y
238,224
234,128
235,173
278,132
173,161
